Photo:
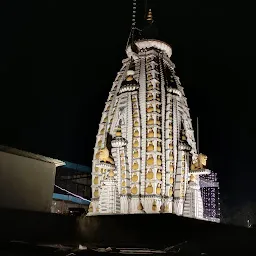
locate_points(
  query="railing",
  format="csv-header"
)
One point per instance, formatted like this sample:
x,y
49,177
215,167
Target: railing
x,y
208,183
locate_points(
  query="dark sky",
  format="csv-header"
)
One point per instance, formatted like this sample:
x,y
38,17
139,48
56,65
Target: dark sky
x,y
58,60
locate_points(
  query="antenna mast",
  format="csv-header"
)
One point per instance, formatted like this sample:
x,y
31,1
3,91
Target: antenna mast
x,y
197,134
146,8
131,35
133,14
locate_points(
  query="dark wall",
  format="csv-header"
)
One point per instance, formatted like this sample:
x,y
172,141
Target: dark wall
x,y
164,230
37,227
25,183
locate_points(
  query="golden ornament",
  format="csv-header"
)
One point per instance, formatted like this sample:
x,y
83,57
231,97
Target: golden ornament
x,y
96,193
135,178
136,154
96,180
150,121
140,207
150,175
135,166
158,189
159,175
134,190
150,133
135,143
150,160
111,173
150,147
159,161
149,189
150,109
136,133
136,124
154,206
90,208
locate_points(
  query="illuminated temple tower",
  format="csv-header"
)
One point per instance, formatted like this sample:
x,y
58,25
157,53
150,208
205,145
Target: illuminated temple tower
x,y
145,158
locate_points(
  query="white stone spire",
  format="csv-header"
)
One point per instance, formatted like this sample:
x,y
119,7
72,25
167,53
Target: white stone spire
x,y
153,149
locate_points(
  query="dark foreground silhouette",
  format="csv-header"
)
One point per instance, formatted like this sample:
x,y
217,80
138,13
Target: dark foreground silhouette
x,y
166,232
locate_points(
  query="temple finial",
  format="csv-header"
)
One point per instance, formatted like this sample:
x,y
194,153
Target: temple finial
x,y
150,30
149,16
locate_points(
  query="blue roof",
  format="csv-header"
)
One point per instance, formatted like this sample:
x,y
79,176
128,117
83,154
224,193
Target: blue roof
x,y
77,167
69,198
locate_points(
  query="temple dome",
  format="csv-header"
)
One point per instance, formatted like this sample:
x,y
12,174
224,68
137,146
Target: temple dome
x,y
149,43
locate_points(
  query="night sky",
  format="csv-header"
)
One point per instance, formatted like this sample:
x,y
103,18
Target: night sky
x,y
58,60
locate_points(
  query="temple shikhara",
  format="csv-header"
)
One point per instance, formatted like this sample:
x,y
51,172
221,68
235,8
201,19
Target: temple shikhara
x,y
145,157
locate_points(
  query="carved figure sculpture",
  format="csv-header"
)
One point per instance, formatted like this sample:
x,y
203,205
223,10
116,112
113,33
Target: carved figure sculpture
x,y
104,156
200,162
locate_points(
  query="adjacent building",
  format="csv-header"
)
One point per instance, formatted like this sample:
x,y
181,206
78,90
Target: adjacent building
x,y
37,183
72,188
26,180
211,196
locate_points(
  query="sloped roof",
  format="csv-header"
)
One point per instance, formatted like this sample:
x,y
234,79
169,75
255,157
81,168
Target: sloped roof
x,y
19,152
77,167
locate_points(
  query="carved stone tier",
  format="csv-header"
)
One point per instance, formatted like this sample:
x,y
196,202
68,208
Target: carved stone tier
x,y
149,43
174,91
118,142
199,172
106,166
184,146
129,88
